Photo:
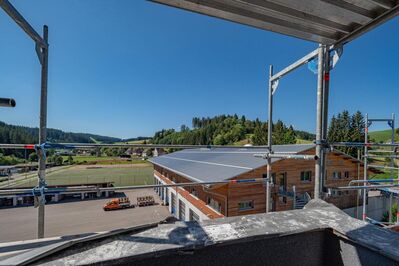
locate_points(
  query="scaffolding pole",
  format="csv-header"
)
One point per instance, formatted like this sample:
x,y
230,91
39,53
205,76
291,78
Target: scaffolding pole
x,y
326,92
36,191
43,134
319,121
269,138
7,102
365,169
41,45
362,144
122,145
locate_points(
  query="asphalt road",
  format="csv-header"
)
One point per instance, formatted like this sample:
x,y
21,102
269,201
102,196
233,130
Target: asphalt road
x,y
77,217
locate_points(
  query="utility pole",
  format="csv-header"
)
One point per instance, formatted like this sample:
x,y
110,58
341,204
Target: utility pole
x,y
43,55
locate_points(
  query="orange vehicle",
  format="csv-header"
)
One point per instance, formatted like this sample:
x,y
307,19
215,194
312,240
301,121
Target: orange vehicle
x,y
117,204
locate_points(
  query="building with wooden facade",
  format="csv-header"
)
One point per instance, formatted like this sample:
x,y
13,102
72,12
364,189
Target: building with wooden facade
x,y
293,181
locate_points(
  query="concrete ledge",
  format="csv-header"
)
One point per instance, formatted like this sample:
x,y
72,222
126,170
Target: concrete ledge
x,y
320,233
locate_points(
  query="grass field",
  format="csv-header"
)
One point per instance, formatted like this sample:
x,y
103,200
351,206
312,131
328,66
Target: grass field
x,y
121,175
382,135
102,160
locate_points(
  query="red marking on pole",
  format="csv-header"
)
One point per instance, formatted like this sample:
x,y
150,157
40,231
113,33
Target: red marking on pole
x,y
29,146
364,216
366,129
397,217
327,76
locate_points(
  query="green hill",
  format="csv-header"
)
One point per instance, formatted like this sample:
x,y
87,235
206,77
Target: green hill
x,y
230,130
383,135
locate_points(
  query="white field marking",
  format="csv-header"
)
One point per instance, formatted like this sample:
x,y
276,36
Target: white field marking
x,y
218,164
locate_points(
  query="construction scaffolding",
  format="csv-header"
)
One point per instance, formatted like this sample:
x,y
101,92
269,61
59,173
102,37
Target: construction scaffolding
x,y
41,47
366,145
332,24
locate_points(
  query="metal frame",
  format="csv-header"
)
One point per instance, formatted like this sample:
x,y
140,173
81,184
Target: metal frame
x,y
7,102
367,123
41,47
325,64
323,21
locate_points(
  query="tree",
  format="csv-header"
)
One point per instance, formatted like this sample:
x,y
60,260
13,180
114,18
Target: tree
x,y
393,210
70,160
33,157
260,134
58,160
184,128
347,128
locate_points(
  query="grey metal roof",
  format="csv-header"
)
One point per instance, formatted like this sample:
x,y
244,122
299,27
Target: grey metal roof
x,y
202,165
322,21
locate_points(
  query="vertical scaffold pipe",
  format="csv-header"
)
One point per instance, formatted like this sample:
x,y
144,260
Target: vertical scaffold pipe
x,y
42,132
392,163
319,121
269,139
326,92
397,211
390,207
366,129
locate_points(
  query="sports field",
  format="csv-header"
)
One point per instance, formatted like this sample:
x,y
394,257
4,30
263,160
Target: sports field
x,y
121,175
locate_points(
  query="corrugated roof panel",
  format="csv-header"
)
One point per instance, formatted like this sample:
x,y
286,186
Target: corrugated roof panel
x,y
219,164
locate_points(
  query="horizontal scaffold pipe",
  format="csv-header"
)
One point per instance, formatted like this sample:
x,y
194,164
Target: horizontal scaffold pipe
x,y
373,181
287,156
367,187
120,145
361,144
381,156
381,151
83,189
7,102
382,167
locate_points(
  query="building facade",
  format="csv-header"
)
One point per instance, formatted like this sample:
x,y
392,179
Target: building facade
x,y
293,181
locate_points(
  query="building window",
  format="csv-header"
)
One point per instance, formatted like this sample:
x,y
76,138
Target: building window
x,y
346,174
182,211
336,175
306,176
246,205
282,199
214,204
193,216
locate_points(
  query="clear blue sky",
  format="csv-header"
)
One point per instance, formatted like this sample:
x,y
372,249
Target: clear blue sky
x,y
128,68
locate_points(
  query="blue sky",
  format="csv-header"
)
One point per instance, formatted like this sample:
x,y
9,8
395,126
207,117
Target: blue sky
x,y
128,68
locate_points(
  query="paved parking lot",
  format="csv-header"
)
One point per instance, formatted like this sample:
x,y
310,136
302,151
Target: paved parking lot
x,y
78,217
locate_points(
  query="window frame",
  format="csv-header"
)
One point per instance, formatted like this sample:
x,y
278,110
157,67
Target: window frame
x,y
338,176
251,205
302,176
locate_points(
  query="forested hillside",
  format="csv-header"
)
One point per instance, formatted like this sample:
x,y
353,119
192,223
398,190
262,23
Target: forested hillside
x,y
229,129
21,134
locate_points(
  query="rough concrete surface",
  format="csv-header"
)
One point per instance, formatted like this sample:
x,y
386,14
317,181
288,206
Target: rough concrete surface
x,y
343,241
